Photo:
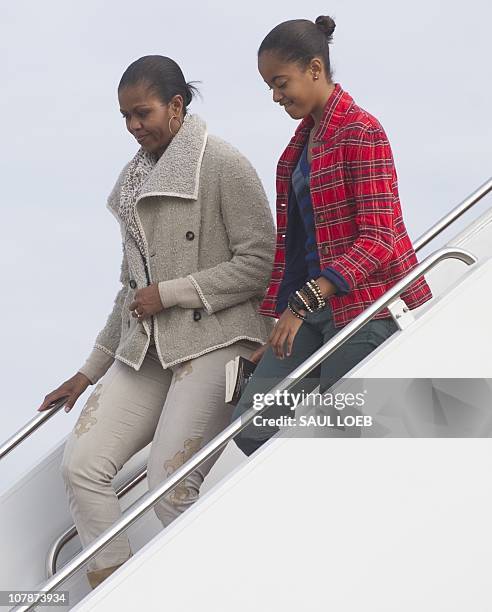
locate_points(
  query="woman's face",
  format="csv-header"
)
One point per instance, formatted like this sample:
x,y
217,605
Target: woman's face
x,y
147,116
293,87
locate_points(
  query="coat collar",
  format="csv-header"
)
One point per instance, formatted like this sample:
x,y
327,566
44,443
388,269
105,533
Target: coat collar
x,y
336,108
177,172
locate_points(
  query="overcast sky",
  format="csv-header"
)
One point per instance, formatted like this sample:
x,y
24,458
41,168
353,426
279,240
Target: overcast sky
x,y
422,68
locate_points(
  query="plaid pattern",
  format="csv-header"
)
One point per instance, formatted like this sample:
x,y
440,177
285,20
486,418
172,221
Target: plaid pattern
x,y
359,226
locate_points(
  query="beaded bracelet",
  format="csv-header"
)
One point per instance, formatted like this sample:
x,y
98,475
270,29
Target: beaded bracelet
x,y
295,302
295,313
314,287
313,294
304,301
311,297
312,283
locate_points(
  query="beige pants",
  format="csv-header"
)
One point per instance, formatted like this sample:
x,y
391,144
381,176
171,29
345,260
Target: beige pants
x,y
179,410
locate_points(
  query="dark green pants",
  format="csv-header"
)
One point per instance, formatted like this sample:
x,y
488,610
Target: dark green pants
x,y
315,331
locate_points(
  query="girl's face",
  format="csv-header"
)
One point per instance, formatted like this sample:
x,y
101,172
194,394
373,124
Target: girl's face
x,y
293,87
147,116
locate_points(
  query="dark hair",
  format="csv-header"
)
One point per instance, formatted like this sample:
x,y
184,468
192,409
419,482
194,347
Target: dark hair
x,y
299,40
163,76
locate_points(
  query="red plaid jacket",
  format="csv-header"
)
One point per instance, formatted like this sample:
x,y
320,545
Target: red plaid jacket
x,y
357,215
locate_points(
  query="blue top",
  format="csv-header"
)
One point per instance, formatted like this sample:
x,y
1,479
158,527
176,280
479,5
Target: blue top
x,y
301,249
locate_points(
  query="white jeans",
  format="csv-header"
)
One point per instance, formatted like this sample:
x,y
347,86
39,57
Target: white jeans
x,y
179,410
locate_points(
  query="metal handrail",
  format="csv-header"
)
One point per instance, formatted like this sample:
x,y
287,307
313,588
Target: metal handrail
x,y
31,426
147,501
422,241
454,214
71,532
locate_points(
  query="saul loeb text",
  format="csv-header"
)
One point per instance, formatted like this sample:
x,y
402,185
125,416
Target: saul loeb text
x,y
290,401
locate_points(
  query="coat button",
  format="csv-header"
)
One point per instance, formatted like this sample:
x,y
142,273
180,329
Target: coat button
x,y
320,217
190,235
197,315
133,284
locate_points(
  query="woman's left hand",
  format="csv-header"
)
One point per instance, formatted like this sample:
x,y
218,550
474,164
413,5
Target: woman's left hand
x,y
283,333
147,302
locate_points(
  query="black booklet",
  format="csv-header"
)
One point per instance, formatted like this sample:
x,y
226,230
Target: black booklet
x,y
238,373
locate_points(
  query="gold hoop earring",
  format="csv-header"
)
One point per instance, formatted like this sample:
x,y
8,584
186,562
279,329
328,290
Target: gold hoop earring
x,y
169,124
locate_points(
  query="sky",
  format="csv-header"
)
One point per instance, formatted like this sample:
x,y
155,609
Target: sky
x,y
421,68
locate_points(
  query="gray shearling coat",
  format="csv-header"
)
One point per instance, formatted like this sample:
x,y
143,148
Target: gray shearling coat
x,y
201,185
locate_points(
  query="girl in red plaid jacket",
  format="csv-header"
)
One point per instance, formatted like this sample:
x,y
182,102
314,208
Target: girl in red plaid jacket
x,y
341,240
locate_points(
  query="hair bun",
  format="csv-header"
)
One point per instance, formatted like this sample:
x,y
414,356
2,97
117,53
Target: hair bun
x,y
326,25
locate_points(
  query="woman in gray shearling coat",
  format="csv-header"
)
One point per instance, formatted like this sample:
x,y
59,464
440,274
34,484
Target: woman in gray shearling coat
x,y
198,244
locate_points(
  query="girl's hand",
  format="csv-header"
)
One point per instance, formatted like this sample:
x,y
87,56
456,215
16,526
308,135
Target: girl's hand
x,y
71,389
284,332
147,302
258,354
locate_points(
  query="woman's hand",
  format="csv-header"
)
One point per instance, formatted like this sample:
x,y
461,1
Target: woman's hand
x,y
284,332
71,389
147,302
